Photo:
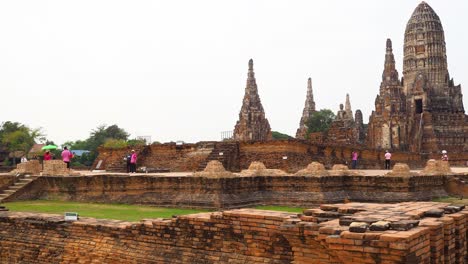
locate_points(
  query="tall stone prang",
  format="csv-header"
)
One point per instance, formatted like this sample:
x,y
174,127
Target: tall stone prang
x,y
252,124
435,108
309,108
424,111
387,124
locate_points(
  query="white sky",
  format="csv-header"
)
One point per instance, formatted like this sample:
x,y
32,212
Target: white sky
x,y
176,70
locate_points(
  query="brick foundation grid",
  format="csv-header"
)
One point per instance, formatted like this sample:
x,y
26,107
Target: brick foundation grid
x,y
418,232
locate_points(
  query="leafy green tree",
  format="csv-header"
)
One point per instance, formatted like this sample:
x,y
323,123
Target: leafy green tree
x,y
320,121
110,136
115,143
136,142
278,135
15,136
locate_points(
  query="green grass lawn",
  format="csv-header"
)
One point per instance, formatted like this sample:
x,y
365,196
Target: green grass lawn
x,y
281,208
107,211
452,200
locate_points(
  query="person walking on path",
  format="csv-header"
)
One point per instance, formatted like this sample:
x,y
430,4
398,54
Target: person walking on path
x,y
354,158
66,156
388,157
133,161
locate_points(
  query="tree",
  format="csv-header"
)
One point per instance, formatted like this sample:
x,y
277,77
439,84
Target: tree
x,y
15,136
277,135
320,121
112,136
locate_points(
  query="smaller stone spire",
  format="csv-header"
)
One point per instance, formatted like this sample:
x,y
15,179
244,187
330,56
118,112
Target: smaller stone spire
x,y
349,112
252,124
390,73
251,73
309,108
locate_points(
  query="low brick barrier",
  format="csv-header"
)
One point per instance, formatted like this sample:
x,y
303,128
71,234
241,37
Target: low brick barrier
x,y
30,167
233,192
424,232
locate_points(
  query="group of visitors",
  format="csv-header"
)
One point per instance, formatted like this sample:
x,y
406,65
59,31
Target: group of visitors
x,y
67,156
388,158
131,160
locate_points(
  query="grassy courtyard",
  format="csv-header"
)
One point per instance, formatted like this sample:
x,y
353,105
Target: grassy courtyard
x,y
452,200
281,208
104,211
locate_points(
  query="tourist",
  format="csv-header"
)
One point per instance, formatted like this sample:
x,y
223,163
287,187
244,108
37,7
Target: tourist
x,y
47,156
66,156
24,159
354,158
444,155
388,157
133,161
127,159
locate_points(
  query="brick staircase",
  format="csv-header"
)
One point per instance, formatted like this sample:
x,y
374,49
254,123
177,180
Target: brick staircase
x,y
117,166
3,208
230,152
20,182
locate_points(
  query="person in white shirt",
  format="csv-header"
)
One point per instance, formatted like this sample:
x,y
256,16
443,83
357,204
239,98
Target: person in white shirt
x,y
388,157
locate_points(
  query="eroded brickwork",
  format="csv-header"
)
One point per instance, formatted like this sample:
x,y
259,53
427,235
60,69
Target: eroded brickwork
x,y
157,157
30,167
309,109
6,180
424,111
252,123
345,130
55,167
209,190
344,233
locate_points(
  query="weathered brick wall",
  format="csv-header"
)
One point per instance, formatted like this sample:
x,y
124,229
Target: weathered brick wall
x,y
189,191
55,167
272,154
169,156
6,180
321,236
299,153
30,167
186,157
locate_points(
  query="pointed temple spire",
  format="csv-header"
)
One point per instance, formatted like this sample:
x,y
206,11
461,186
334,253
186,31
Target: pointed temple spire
x,y
309,108
348,111
390,73
252,124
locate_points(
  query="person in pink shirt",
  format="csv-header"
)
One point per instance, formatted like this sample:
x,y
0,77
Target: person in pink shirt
x,y
133,161
354,158
388,157
66,156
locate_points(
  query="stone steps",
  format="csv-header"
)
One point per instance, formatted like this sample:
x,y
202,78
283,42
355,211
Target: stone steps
x,y
3,208
226,148
18,184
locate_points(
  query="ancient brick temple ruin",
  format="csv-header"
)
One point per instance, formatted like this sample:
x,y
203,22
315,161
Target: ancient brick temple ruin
x,y
252,124
309,108
346,130
422,112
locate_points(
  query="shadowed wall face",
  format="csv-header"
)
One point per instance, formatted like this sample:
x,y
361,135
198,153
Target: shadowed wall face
x,y
232,192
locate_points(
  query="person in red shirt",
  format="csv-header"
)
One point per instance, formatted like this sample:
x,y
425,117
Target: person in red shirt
x,y
47,156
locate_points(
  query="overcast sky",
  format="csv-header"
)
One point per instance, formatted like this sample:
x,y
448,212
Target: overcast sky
x,y
176,70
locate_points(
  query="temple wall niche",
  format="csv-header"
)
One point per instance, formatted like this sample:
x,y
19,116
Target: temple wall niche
x,y
385,136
